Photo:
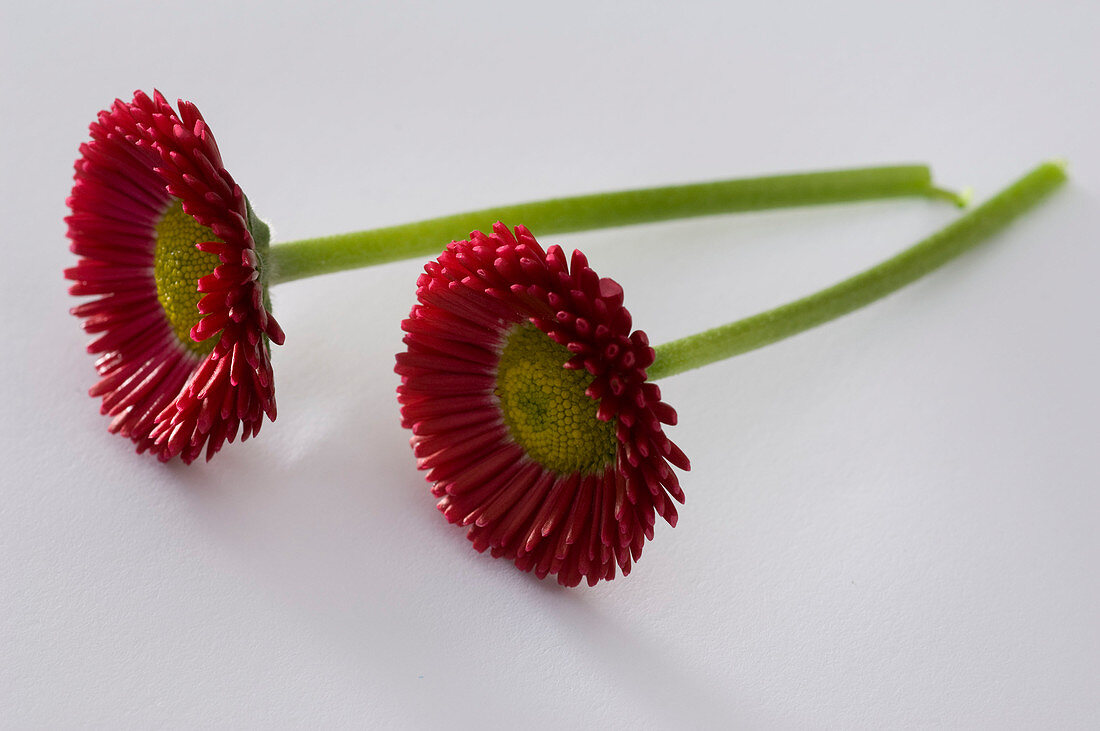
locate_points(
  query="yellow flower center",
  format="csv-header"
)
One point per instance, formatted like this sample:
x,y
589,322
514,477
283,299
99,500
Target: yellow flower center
x,y
546,409
177,267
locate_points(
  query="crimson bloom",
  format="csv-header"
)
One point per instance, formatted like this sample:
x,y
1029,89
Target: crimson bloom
x,y
172,252
526,393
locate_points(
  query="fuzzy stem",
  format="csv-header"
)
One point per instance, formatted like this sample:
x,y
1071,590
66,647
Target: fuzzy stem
x,y
933,252
311,257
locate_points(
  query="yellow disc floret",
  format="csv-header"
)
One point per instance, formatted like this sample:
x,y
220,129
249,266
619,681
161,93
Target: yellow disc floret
x,y
178,265
546,409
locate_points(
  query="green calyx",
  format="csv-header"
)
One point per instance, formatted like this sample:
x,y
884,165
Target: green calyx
x,y
545,406
261,238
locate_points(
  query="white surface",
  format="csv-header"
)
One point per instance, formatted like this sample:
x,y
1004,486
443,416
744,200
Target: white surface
x,y
891,521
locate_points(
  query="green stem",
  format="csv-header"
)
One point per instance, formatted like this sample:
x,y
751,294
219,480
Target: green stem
x,y
310,257
933,252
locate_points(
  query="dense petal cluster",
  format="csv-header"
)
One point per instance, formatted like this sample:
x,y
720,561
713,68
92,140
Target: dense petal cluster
x,y
477,391
167,247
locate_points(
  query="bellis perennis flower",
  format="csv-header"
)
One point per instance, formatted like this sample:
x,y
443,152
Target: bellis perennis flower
x,y
526,392
531,403
530,397
172,252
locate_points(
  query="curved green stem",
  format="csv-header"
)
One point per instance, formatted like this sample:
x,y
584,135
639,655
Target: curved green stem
x,y
933,252
310,257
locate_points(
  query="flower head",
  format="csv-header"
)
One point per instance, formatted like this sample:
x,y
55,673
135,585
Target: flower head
x,y
171,250
526,393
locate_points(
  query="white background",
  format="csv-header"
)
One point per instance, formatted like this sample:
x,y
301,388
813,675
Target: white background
x,y
891,521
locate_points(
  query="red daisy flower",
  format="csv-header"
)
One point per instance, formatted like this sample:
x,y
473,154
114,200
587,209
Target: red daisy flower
x,y
172,251
526,393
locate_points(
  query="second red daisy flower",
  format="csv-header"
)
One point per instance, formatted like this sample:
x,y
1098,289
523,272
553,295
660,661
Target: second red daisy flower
x,y
526,392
